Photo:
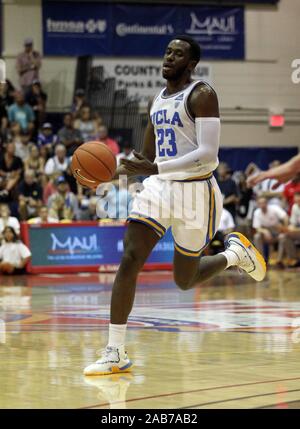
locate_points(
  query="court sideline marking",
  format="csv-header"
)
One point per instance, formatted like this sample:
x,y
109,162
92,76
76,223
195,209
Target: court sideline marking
x,y
194,391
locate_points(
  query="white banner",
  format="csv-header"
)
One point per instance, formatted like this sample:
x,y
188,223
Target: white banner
x,y
142,78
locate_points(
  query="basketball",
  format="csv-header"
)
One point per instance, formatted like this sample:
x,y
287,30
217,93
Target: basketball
x,y
93,163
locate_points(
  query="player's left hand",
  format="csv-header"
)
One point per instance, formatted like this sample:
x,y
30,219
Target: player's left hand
x,y
140,165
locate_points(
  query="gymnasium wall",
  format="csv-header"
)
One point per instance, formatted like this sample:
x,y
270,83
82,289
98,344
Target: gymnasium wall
x,y
247,89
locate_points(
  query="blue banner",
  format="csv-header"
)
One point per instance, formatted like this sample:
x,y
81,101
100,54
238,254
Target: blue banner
x,y
76,29
102,29
86,245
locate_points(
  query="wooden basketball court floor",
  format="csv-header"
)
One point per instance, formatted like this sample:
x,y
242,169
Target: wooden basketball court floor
x,y
232,343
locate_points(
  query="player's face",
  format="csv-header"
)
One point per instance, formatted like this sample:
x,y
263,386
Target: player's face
x,y
176,60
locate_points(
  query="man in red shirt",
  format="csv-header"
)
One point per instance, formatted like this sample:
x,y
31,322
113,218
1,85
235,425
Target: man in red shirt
x,y
103,138
289,191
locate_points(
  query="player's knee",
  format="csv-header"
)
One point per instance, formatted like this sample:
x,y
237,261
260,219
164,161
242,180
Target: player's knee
x,y
132,257
182,281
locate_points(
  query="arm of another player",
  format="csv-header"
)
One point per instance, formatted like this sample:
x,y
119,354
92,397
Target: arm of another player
x,y
283,173
203,104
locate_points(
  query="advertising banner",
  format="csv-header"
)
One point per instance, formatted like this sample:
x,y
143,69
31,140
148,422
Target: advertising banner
x,y
85,246
139,30
143,78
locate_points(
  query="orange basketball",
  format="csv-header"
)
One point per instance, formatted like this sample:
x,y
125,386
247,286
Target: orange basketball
x,y
93,163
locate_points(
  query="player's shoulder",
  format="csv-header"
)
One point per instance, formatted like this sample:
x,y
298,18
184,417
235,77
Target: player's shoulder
x,y
203,100
203,89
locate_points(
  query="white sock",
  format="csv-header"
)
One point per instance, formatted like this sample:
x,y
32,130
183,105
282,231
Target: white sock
x,y
116,335
231,256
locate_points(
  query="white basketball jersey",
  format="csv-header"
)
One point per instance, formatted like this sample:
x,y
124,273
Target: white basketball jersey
x,y
175,132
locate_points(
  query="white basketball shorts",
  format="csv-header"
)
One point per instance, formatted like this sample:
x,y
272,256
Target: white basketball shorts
x,y
191,208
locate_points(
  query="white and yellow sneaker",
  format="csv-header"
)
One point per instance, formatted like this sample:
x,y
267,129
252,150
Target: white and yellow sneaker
x,y
250,260
113,360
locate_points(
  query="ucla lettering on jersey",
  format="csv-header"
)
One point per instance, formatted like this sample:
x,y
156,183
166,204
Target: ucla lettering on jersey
x,y
175,133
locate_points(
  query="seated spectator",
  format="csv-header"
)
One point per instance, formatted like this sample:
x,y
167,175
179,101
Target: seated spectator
x,y
7,220
243,216
115,201
78,102
127,153
21,112
228,188
7,93
37,99
23,147
103,138
30,196
14,255
265,189
289,191
11,167
14,133
87,126
34,161
63,204
43,217
69,136
47,138
59,163
268,221
87,200
3,112
291,236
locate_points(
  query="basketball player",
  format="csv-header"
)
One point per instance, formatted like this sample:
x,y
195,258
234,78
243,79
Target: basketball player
x,y
283,173
180,152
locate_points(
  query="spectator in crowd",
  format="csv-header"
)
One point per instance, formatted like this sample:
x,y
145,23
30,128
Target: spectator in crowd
x,y
7,220
14,133
37,99
78,102
291,236
5,196
115,201
103,138
87,200
63,204
86,124
228,188
7,93
47,138
30,196
59,163
28,65
69,136
43,217
11,167
35,162
127,153
268,221
23,146
3,112
290,189
14,255
265,188
243,215
21,112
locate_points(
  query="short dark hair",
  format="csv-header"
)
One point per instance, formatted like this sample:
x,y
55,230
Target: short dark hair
x,y
195,49
12,230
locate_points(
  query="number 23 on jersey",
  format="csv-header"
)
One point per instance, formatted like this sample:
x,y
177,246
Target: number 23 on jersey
x,y
166,142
